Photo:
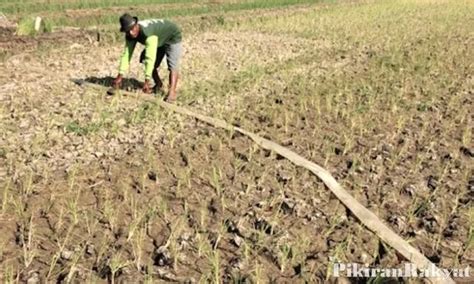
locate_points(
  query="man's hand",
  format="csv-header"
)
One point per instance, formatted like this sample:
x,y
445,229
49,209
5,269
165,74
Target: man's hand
x,y
117,82
147,87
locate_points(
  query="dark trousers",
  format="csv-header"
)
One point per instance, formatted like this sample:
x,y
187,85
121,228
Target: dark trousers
x,y
160,54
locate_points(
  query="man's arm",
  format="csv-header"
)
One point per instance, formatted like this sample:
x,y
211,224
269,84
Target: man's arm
x,y
126,56
151,46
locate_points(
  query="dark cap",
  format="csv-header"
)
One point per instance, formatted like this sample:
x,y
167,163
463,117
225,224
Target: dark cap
x,y
127,22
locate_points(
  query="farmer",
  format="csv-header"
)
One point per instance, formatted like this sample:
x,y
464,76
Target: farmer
x,y
160,37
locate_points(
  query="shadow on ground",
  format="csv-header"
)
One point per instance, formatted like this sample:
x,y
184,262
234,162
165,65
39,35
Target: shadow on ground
x,y
129,84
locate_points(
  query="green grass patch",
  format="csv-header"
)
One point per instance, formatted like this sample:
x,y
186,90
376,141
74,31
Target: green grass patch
x,y
24,7
26,27
146,111
3,153
82,130
150,11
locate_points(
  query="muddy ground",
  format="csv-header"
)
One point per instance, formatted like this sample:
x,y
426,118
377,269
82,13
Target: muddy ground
x,y
99,188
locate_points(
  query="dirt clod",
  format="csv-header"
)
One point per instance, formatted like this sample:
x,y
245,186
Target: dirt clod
x,y
66,254
162,257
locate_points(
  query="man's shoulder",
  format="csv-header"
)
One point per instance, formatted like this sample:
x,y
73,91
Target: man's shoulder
x,y
149,22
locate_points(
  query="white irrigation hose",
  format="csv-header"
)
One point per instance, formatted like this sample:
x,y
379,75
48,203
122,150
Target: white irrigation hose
x,y
365,216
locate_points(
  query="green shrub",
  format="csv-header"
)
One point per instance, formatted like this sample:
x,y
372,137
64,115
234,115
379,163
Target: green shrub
x,y
26,27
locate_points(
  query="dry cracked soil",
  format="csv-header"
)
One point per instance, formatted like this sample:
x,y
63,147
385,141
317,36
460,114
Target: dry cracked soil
x,y
101,188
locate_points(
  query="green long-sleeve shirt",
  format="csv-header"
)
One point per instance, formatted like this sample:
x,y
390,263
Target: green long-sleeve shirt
x,y
154,33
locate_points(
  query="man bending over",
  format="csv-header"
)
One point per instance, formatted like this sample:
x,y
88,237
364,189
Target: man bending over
x,y
160,37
